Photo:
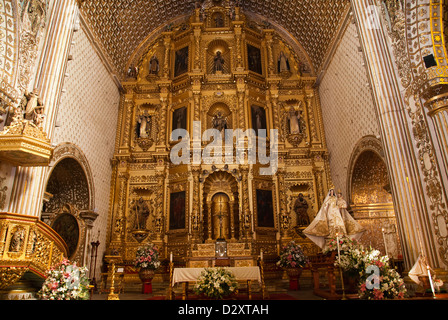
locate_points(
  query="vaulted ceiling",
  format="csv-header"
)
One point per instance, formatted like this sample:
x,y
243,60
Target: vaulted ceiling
x,y
120,26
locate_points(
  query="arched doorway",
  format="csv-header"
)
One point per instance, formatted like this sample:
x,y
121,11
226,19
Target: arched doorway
x,y
69,207
370,197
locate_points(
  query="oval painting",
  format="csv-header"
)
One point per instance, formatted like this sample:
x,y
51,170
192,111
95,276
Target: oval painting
x,y
67,227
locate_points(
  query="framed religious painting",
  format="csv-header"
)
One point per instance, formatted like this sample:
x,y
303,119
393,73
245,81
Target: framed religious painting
x,y
254,59
265,208
258,116
177,210
67,227
179,120
181,61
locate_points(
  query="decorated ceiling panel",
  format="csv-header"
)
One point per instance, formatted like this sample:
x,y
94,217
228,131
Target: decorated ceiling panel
x,y
121,26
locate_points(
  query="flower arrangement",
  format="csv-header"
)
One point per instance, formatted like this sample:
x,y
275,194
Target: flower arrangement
x,y
65,281
292,256
216,283
383,282
147,257
377,280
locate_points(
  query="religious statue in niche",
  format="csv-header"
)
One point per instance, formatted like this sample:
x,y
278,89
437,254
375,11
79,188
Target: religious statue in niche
x,y
218,62
132,72
177,210
179,120
219,20
258,118
301,208
265,208
219,122
141,212
294,121
295,126
283,63
181,61
143,128
17,240
333,218
154,65
143,131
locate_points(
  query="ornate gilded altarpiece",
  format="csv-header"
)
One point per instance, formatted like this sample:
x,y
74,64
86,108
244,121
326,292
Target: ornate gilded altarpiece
x,y
219,69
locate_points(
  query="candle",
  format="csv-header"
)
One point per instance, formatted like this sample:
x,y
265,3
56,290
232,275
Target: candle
x,y
430,281
339,255
261,254
171,257
385,244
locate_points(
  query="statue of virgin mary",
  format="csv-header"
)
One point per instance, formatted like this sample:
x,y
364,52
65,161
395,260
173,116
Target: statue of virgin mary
x,y
333,218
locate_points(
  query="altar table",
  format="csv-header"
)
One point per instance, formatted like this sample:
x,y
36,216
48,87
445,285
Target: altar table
x,y
186,275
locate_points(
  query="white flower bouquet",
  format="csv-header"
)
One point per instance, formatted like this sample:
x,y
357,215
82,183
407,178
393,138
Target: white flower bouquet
x,y
216,283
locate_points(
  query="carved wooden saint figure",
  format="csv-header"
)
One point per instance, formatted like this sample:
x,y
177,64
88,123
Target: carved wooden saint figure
x,y
142,212
294,121
218,62
283,63
154,65
143,128
301,208
219,122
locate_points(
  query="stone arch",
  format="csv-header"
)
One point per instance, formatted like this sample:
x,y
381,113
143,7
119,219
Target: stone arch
x,y
369,196
69,199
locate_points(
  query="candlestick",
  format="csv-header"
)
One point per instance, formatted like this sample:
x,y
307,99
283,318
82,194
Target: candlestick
x,y
385,244
340,268
339,253
430,281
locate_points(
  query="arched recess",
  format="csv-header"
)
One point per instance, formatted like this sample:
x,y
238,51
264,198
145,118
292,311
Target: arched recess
x,y
69,200
370,198
220,183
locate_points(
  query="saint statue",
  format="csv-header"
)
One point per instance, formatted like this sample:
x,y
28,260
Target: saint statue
x,y
218,62
132,72
143,128
333,218
294,121
142,212
154,65
219,122
33,107
219,21
283,63
301,208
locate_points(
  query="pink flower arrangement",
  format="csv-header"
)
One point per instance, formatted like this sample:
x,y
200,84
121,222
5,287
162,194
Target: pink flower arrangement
x,y
389,283
65,281
292,256
147,257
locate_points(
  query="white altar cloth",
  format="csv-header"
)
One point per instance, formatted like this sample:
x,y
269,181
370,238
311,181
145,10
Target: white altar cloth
x,y
193,274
